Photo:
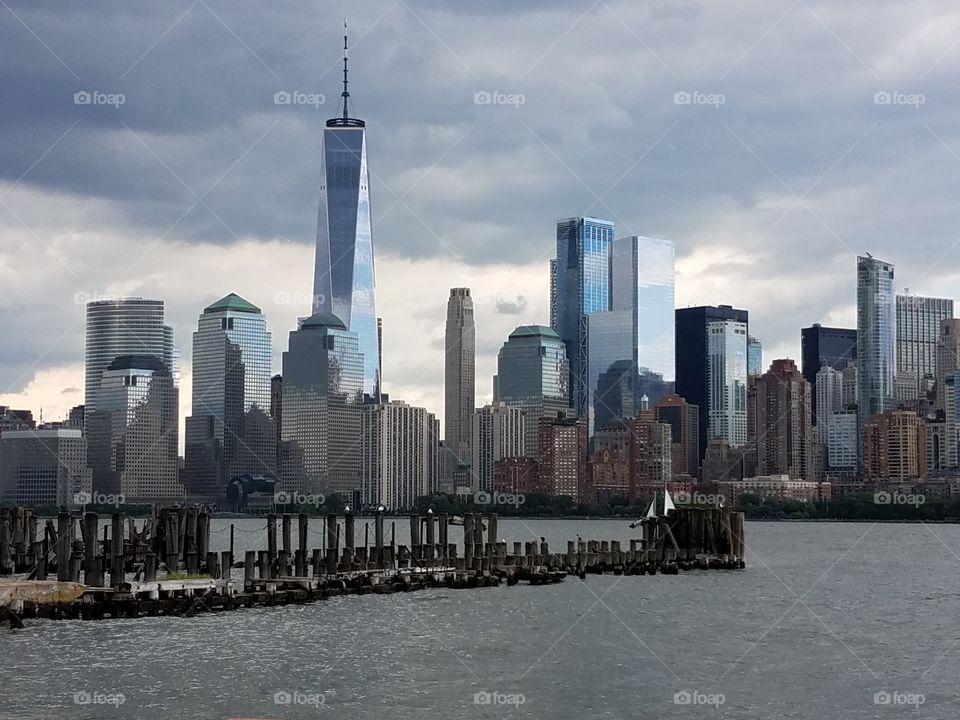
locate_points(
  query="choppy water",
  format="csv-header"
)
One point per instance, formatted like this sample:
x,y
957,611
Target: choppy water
x,y
825,617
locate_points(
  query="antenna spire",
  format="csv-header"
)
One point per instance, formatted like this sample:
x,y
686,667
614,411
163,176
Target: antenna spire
x,y
346,93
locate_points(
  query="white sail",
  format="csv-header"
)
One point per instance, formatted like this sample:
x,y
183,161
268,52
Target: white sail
x,y
652,510
667,502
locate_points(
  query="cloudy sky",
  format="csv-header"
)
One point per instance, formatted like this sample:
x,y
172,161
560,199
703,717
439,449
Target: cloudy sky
x,y
771,140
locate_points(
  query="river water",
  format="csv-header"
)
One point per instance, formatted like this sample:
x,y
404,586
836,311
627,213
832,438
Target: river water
x,y
828,621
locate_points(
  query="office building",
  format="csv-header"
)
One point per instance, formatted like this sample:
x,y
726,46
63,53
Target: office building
x,y
533,375
344,278
918,325
840,441
459,379
825,346
44,467
754,357
876,349
400,454
132,433
323,389
727,381
230,431
498,432
948,357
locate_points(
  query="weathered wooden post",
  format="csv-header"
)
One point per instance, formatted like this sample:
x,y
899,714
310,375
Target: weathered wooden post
x,y
203,536
64,540
431,537
332,528
249,560
90,532
287,534
272,537
378,535
6,551
213,565
349,530
116,549
468,540
149,567
442,537
415,546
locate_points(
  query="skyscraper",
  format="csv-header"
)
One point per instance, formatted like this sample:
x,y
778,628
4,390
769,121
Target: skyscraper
x,y
918,334
895,446
125,326
582,280
563,456
44,467
754,357
230,431
498,432
322,401
692,359
459,378
344,280
876,352
948,356
784,429
399,456
533,375
727,381
132,434
684,421
825,346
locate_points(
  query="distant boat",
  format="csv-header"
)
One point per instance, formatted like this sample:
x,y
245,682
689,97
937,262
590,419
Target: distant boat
x,y
667,502
651,512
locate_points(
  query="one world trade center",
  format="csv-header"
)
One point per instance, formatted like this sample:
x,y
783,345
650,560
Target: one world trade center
x,y
343,280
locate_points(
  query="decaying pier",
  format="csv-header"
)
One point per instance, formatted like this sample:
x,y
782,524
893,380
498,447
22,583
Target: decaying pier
x,y
166,567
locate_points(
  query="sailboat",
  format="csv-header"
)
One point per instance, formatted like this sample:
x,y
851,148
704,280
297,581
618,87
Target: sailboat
x,y
667,502
651,512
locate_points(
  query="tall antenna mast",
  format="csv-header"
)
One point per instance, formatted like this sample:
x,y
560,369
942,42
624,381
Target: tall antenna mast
x,y
346,93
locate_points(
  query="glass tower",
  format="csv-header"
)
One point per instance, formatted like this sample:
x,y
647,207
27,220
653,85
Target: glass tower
x,y
918,334
876,353
322,402
533,375
727,377
230,431
459,379
582,281
344,283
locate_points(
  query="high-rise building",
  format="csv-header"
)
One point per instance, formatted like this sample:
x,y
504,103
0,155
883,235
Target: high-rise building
x,y
876,348
400,454
44,467
553,292
459,379
684,421
125,326
344,279
563,456
785,442
693,360
948,357
650,454
840,440
615,395
582,280
825,346
612,376
642,277
918,324
835,394
498,432
533,375
322,400
754,357
895,446
951,402
132,433
727,381
230,431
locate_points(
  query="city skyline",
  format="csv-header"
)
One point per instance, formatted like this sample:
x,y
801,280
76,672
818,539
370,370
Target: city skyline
x,y
44,366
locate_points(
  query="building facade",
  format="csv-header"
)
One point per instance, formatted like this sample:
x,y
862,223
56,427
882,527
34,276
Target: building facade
x,y
948,357
44,467
684,421
459,379
498,432
918,323
825,346
563,456
785,441
323,389
400,454
650,453
230,430
727,378
754,357
895,446
133,432
876,353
